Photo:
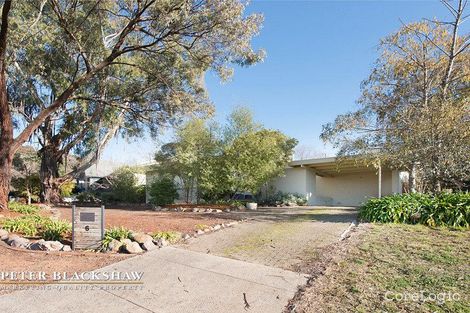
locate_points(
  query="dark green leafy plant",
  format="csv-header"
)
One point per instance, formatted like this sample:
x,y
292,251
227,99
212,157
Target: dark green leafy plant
x,y
163,191
444,209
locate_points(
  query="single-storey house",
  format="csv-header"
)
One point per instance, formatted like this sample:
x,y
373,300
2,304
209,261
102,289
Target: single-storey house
x,y
326,181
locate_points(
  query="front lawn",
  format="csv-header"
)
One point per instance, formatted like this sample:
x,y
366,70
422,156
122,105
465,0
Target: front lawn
x,y
395,268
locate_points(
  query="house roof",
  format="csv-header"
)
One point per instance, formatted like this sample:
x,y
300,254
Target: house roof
x,y
333,166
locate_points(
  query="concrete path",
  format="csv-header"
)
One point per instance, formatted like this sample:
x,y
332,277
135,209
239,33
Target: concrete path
x,y
174,280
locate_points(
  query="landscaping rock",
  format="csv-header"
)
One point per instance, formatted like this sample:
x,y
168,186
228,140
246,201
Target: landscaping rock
x,y
19,242
132,247
195,210
161,242
3,234
126,241
216,227
218,211
53,245
200,232
38,245
115,245
11,237
208,210
207,230
148,245
141,237
186,236
66,248
157,208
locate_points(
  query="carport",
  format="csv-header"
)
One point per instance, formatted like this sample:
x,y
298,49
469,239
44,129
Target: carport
x,y
329,181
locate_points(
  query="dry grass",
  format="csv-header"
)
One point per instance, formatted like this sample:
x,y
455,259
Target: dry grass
x,y
389,261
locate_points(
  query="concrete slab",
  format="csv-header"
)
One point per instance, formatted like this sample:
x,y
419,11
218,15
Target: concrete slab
x,y
175,280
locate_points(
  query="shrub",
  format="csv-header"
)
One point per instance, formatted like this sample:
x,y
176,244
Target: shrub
x,y
23,208
289,199
87,197
33,225
67,188
125,188
117,233
163,191
27,225
171,236
55,230
445,209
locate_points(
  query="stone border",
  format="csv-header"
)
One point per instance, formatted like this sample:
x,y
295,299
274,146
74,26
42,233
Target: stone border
x,y
193,210
142,242
211,229
16,241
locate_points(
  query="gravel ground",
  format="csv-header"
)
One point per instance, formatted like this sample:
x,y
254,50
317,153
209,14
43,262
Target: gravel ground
x,y
281,238
150,221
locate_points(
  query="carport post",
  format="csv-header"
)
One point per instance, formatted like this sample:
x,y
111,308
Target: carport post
x,y
380,180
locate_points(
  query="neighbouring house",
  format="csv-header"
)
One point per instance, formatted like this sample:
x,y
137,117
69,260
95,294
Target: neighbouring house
x,y
325,181
96,177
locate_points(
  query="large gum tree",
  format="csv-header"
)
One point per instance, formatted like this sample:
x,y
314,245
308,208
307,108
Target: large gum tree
x,y
110,63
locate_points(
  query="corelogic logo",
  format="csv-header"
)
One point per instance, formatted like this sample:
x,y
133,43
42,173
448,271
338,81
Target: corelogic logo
x,y
422,296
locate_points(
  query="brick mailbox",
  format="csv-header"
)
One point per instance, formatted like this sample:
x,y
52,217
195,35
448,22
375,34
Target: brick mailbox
x,y
87,227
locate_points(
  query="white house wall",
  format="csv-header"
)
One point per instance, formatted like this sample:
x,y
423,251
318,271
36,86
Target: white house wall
x,y
351,189
299,180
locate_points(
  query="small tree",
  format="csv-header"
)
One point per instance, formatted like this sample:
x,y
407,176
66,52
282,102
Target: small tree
x,y
163,191
124,186
253,159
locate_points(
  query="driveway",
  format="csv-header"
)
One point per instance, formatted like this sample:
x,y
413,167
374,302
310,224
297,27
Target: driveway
x,y
213,273
279,237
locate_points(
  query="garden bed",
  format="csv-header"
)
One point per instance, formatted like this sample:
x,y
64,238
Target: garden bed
x,y
150,221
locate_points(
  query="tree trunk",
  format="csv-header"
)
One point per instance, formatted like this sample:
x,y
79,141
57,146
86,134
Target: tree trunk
x,y
412,179
5,177
6,124
49,174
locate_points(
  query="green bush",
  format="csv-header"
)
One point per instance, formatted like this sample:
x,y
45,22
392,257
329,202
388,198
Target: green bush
x,y
34,225
171,236
117,233
124,187
163,191
67,188
87,197
445,209
55,230
28,225
23,208
289,199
